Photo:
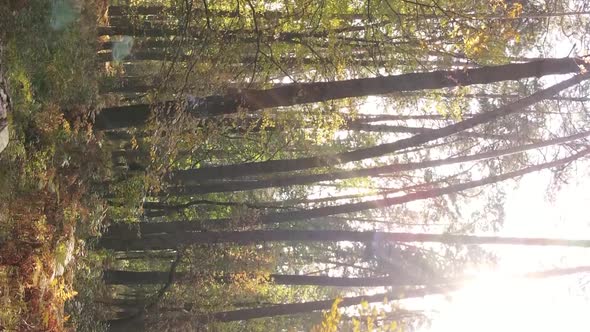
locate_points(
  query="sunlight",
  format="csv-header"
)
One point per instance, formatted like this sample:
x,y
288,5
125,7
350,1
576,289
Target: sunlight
x,y
294,165
496,302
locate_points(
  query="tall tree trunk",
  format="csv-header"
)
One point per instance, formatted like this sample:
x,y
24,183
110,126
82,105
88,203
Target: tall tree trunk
x,y
160,277
135,324
285,165
170,241
159,209
284,309
267,14
419,195
138,324
305,307
272,14
290,180
119,277
144,44
482,95
296,93
156,29
386,128
123,231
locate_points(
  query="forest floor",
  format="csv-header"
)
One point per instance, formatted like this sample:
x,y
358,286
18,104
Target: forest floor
x,y
47,213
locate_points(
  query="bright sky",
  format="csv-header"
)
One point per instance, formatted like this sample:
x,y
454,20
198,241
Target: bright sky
x,y
496,303
555,304
499,304
548,305
491,306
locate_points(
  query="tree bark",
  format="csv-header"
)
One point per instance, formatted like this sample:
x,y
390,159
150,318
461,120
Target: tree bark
x,y
303,93
482,95
285,165
386,128
156,29
123,231
170,241
286,309
305,307
291,180
119,277
296,308
159,10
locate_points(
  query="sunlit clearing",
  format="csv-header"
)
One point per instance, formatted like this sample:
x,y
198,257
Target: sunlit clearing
x,y
497,302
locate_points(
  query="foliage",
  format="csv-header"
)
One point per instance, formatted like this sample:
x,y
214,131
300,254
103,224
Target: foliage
x,y
330,319
83,309
63,183
371,319
50,161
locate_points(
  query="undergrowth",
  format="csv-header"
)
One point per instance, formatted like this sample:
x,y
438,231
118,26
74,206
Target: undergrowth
x,y
46,209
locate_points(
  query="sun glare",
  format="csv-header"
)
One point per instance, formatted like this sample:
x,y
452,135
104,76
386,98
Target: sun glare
x,y
495,302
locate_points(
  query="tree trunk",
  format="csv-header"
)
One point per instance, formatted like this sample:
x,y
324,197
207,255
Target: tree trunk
x,y
483,95
134,324
138,324
291,180
285,165
139,10
305,307
295,93
201,12
123,231
419,195
385,128
155,30
170,241
118,277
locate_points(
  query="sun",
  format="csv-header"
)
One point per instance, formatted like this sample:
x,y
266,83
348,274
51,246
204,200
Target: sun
x,y
495,302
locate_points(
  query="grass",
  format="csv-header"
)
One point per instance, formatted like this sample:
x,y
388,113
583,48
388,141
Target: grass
x,y
46,211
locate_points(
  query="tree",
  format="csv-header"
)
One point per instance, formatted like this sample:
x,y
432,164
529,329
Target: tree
x,y
294,308
253,168
203,178
282,309
403,293
302,93
290,180
169,241
158,277
123,231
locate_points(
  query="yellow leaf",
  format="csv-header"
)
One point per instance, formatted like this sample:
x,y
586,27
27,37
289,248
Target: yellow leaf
x,y
134,143
356,325
515,11
365,305
393,326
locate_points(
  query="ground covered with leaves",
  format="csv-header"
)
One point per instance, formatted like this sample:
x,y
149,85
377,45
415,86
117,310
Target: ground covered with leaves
x,y
46,211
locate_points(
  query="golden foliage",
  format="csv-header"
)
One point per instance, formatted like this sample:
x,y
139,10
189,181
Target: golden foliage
x,y
331,319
